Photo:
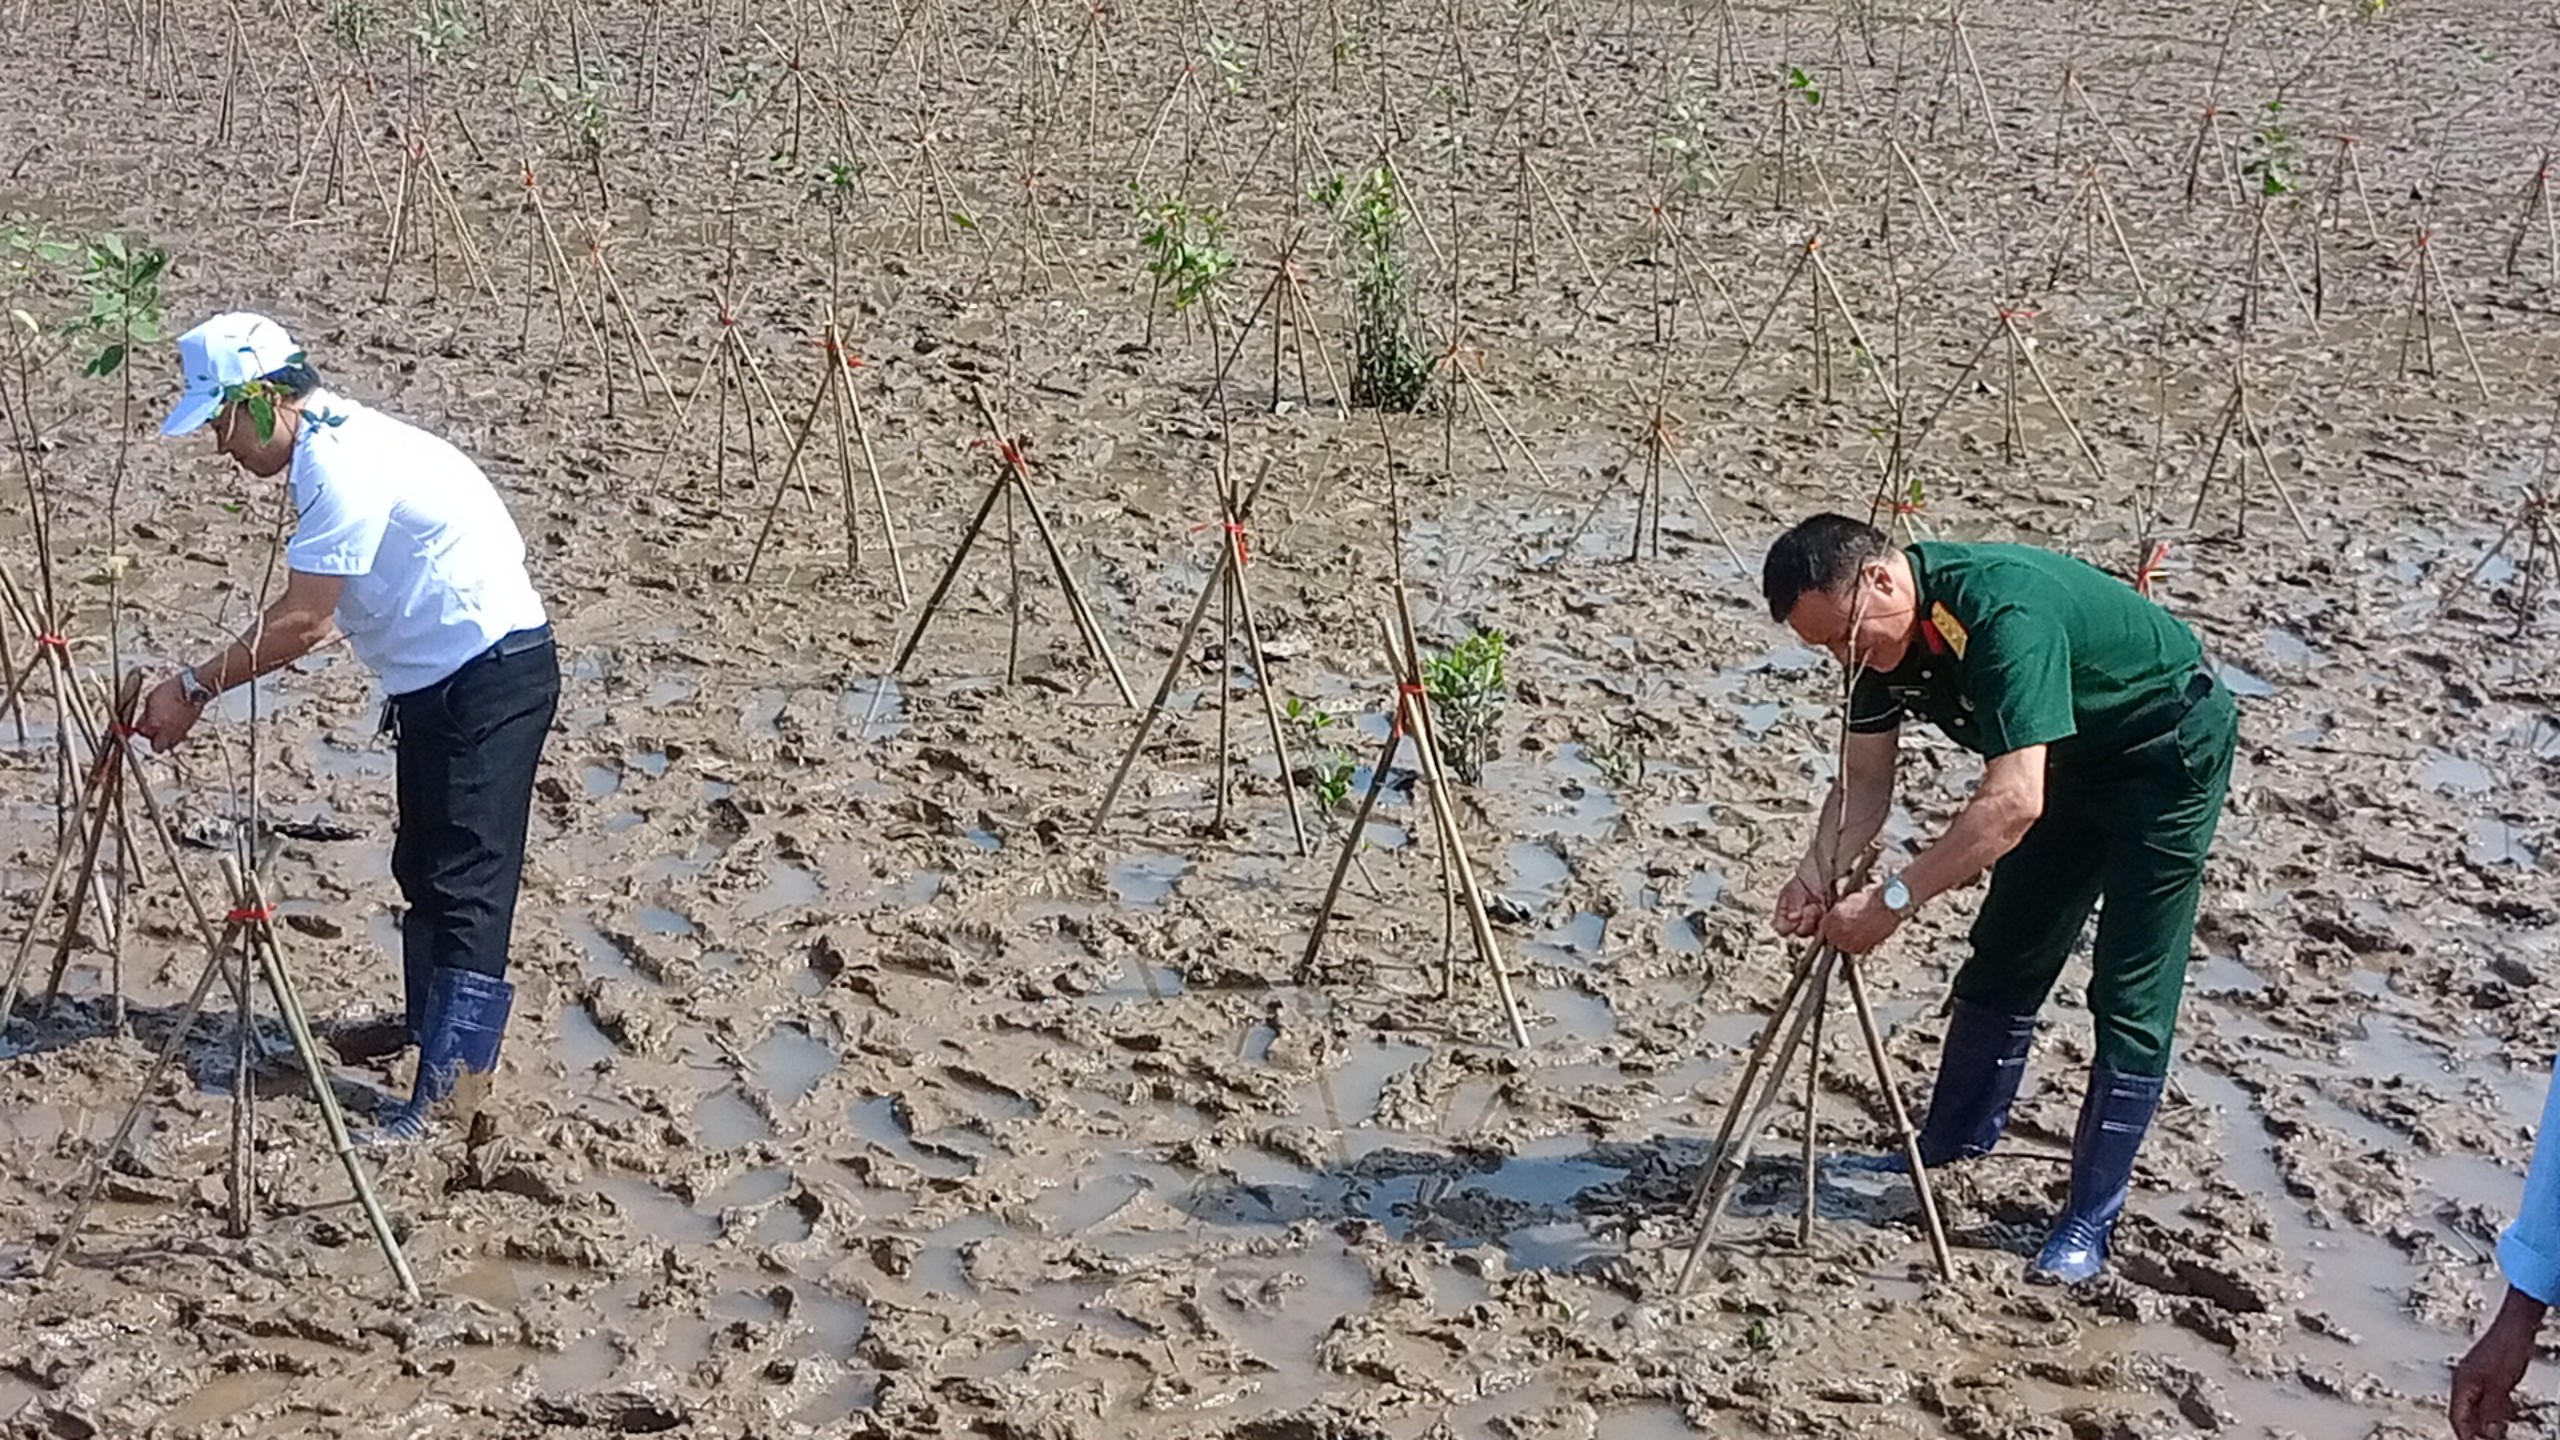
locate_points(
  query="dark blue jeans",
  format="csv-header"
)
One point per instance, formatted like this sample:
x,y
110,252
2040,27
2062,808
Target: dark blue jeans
x,y
468,748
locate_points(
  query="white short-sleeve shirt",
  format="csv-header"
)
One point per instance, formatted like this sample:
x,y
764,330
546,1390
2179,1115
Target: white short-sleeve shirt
x,y
433,563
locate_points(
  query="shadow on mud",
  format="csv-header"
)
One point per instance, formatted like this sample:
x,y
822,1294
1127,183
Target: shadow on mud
x,y
1567,1211
209,1056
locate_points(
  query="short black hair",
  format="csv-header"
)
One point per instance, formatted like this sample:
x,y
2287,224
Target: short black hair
x,y
1821,553
295,378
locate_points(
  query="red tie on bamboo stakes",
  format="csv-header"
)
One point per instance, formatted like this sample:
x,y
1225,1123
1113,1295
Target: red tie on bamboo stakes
x,y
1395,722
1234,528
2148,576
836,351
252,914
1006,451
50,641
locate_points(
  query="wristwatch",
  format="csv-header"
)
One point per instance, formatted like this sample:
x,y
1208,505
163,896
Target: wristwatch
x,y
194,688
1897,896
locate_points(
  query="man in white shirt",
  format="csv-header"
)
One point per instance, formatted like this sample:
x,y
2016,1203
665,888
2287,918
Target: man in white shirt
x,y
406,547
2484,1384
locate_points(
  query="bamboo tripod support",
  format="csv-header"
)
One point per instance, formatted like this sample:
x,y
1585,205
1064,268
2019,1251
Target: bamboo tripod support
x,y
2426,278
2537,198
2238,418
247,940
100,806
1826,286
644,361
544,252
732,372
1799,1015
1011,485
2537,523
1657,446
1227,586
1293,325
92,789
2090,207
423,186
1460,891
838,395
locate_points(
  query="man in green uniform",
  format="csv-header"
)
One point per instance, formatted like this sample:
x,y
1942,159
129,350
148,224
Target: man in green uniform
x,y
2107,752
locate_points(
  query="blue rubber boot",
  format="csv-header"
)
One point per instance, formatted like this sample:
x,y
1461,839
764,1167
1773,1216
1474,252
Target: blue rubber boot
x,y
457,1051
1979,1068
2114,1117
417,970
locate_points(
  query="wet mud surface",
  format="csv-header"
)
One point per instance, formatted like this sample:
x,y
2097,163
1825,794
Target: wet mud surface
x,y
858,1086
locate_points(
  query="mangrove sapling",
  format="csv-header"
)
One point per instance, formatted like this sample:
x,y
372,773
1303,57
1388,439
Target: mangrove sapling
x,y
1328,776
1185,259
1618,752
1468,685
2270,169
441,30
122,287
1800,90
351,25
579,110
1389,368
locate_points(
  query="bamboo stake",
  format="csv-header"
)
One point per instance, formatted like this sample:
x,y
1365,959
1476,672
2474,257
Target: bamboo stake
x,y
1013,475
1415,701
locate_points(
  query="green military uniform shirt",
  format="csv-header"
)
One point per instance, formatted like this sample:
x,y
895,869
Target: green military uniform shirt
x,y
2017,646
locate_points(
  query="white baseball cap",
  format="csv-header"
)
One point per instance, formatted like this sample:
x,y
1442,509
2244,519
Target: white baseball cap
x,y
227,350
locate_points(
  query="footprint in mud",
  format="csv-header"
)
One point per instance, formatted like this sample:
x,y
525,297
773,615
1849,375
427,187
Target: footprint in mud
x,y
789,1063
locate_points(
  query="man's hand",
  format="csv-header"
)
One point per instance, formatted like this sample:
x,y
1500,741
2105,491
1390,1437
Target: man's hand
x,y
1860,922
2484,1383
1800,910
167,715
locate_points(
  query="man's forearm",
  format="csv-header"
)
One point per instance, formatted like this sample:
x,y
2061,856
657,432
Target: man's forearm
x,y
2521,1311
278,639
1989,827
1839,836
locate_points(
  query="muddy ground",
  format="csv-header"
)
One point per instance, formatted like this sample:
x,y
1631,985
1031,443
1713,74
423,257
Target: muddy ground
x,y
858,1087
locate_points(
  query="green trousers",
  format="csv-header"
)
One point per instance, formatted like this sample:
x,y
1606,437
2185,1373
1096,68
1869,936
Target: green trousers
x,y
2131,832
